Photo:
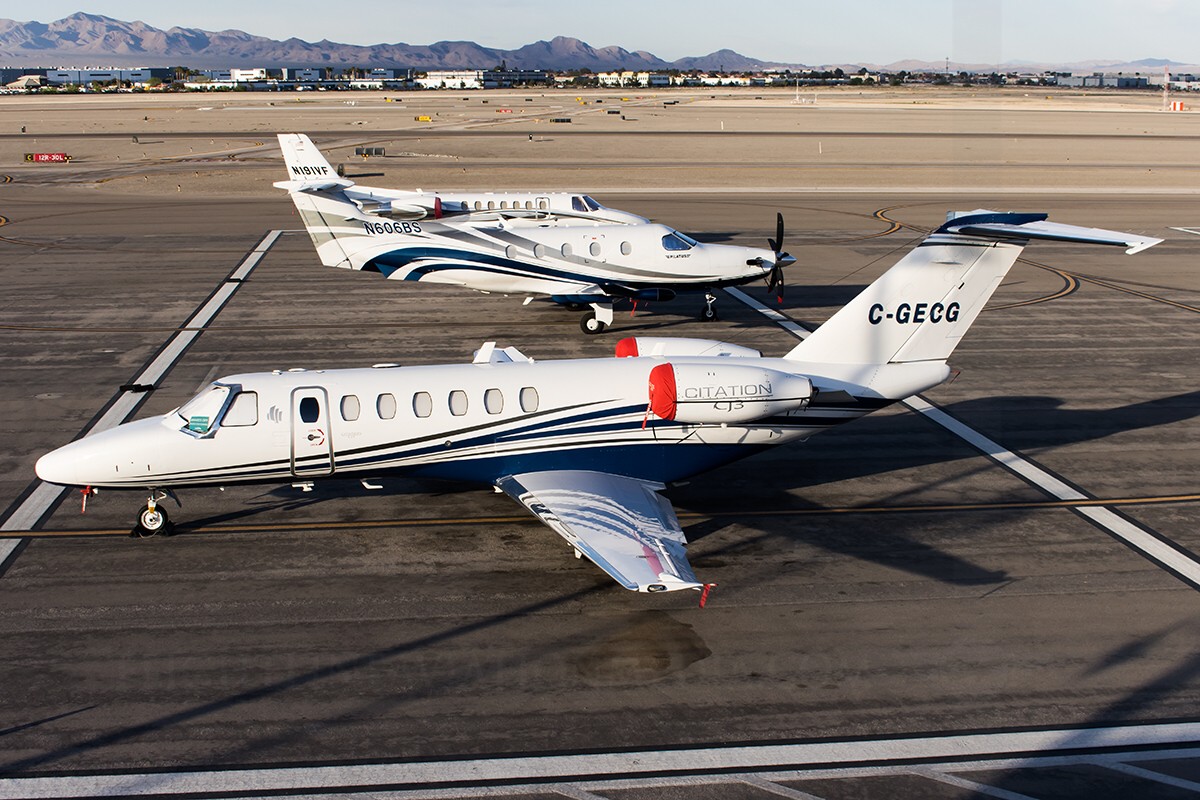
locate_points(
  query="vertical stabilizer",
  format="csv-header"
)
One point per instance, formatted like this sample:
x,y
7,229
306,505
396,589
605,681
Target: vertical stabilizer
x,y
305,164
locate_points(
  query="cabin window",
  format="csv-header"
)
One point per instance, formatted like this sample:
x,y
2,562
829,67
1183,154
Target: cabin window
x,y
493,401
539,251
503,204
594,248
529,204
385,406
422,404
626,248
577,204
566,250
310,409
243,411
491,205
510,251
478,206
458,402
350,407
529,400
543,203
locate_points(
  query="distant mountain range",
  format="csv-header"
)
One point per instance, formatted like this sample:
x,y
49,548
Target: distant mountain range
x,y
83,40
93,40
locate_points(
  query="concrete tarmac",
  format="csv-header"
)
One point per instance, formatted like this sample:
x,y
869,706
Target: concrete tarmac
x,y
884,579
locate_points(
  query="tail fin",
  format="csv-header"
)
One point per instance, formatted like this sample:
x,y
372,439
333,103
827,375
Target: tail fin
x,y
318,194
920,308
307,168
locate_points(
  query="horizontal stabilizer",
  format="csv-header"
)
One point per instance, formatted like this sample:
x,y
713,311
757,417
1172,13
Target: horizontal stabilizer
x,y
1023,227
312,186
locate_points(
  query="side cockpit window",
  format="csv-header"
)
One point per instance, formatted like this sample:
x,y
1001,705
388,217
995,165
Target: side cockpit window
x,y
577,204
677,241
242,411
591,204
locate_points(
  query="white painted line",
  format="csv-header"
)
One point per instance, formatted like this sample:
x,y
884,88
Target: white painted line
x,y
1150,775
7,546
529,769
795,329
45,495
1129,533
972,786
1154,548
1193,231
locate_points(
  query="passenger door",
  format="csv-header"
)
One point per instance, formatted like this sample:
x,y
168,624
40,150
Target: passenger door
x,y
312,440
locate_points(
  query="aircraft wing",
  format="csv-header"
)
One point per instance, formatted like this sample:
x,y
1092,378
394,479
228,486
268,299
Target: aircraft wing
x,y
622,524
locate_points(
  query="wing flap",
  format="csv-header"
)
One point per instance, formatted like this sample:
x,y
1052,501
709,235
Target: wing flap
x,y
621,524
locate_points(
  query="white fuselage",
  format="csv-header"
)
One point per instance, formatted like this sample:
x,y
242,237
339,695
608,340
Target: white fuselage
x,y
476,422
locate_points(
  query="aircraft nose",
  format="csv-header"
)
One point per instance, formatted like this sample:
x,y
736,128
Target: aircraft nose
x,y
58,466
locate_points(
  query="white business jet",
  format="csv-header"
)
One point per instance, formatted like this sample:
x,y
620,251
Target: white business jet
x,y
566,246
586,445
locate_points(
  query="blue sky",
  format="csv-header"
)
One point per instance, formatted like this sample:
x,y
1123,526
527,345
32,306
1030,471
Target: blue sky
x,y
798,31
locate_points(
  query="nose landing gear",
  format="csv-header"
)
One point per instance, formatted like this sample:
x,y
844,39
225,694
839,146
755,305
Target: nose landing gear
x,y
596,320
153,519
709,313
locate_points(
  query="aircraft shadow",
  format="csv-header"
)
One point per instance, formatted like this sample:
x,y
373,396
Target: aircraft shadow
x,y
880,444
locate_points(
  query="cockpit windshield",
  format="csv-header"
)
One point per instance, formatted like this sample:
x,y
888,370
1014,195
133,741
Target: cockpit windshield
x,y
583,204
201,412
678,241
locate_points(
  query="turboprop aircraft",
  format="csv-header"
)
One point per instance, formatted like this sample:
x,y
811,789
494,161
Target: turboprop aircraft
x,y
566,246
586,445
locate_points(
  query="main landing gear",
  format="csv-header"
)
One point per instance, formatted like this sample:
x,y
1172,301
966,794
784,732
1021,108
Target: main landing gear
x,y
709,312
153,520
596,320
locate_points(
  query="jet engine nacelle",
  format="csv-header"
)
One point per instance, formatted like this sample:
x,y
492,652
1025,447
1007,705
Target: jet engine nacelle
x,y
724,393
667,346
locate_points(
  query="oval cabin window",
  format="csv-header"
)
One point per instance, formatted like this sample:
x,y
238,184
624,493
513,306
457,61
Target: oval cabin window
x,y
385,406
626,248
350,408
493,401
458,402
529,399
594,248
422,404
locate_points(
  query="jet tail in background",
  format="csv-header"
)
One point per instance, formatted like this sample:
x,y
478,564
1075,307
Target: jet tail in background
x,y
307,168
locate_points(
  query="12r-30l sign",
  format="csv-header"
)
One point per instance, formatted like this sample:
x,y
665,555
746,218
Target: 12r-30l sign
x,y
48,157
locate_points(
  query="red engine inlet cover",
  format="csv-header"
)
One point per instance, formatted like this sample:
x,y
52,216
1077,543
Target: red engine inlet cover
x,y
664,400
627,348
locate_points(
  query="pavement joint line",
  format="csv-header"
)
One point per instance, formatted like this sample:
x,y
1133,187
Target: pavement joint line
x,y
26,516
949,749
777,789
1158,551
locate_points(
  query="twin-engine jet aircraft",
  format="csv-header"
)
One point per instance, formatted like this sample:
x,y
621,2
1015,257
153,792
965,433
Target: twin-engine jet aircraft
x,y
586,445
539,243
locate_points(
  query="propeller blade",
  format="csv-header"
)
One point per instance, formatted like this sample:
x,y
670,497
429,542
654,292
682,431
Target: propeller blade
x,y
778,244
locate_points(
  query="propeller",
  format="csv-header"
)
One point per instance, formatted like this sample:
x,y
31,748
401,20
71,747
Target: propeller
x,y
782,259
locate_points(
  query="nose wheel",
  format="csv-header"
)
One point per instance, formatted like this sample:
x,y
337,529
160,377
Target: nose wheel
x,y
153,519
709,313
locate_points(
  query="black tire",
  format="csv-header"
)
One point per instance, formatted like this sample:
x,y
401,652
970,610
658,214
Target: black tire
x,y
709,314
590,325
152,523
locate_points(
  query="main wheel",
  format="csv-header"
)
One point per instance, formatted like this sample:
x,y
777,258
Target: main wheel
x,y
151,522
709,314
590,325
